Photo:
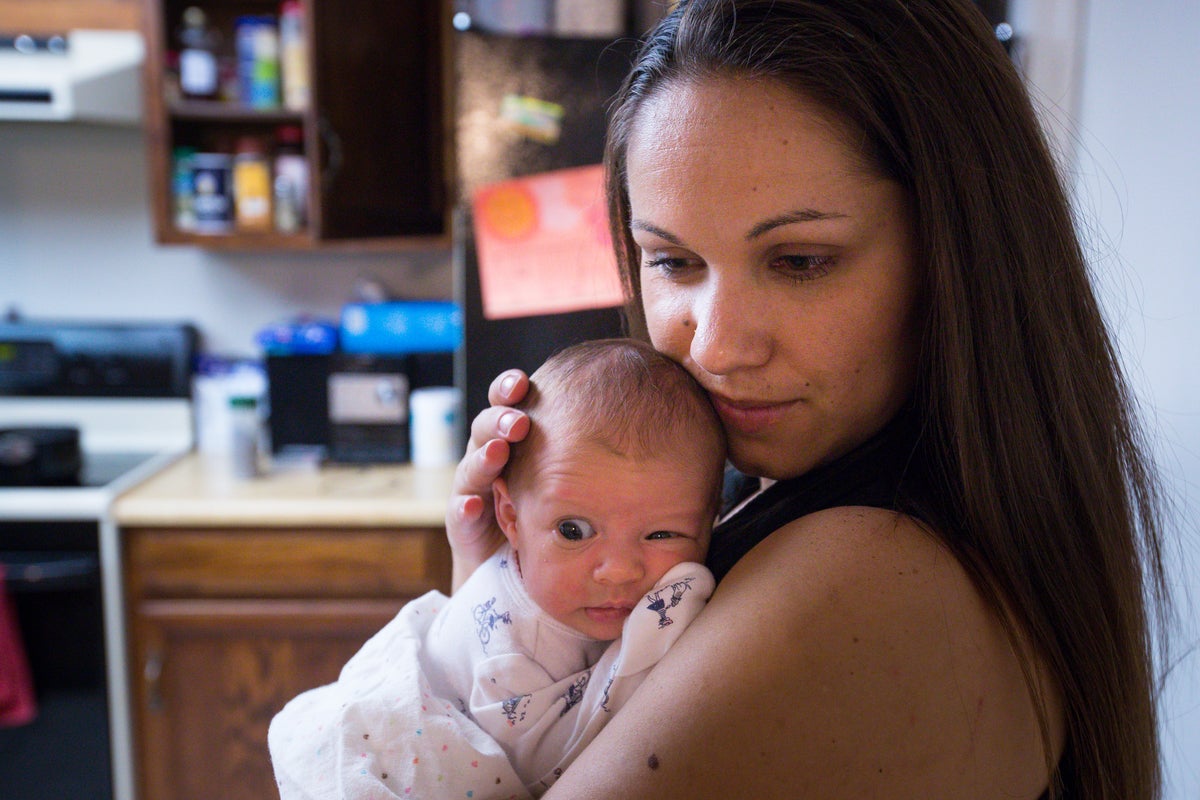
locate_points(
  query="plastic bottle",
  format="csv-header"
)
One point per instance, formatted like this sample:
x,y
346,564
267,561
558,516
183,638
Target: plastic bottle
x,y
293,56
258,60
291,180
197,56
212,201
245,28
251,186
245,430
183,191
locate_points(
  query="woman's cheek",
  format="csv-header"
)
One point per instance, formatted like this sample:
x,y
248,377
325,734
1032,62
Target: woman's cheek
x,y
666,319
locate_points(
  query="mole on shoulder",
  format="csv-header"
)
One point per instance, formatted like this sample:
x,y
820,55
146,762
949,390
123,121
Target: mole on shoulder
x,y
652,761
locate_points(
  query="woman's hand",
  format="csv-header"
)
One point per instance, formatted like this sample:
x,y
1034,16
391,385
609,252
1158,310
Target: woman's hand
x,y
470,518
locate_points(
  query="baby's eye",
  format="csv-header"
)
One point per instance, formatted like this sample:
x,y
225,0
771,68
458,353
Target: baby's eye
x,y
661,535
574,530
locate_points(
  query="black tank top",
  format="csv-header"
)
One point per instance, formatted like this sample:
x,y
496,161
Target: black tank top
x,y
887,471
884,472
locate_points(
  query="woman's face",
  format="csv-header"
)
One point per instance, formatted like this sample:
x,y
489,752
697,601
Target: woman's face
x,y
775,267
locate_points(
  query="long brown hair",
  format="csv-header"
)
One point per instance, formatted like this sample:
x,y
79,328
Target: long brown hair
x,y
1045,491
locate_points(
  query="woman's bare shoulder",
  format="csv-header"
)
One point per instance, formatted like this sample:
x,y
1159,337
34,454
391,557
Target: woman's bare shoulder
x,y
847,655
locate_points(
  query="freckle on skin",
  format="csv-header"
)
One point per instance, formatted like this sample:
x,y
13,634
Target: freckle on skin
x,y
652,761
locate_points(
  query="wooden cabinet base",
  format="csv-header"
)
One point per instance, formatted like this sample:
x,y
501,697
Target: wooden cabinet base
x,y
218,644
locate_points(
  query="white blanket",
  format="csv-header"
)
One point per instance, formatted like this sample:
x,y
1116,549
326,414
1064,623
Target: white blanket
x,y
479,696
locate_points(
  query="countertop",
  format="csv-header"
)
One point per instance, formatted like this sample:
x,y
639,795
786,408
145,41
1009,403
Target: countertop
x,y
198,490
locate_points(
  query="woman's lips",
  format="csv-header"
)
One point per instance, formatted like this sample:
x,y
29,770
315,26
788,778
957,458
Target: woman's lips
x,y
748,417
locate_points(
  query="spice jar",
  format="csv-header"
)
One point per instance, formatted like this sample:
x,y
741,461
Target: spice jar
x,y
251,186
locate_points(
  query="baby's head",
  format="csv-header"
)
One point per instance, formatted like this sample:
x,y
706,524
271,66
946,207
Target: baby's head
x,y
618,481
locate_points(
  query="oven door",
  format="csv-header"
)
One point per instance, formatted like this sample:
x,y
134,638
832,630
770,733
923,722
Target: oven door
x,y
52,581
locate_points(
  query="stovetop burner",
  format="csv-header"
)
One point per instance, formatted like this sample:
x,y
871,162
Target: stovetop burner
x,y
40,456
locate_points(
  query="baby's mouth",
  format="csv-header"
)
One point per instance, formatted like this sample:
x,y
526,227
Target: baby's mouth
x,y
613,613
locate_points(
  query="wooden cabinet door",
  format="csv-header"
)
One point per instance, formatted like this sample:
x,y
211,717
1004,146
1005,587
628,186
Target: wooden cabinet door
x,y
209,675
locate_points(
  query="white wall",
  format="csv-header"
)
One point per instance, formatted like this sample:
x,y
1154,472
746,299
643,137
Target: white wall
x,y
76,241
1139,173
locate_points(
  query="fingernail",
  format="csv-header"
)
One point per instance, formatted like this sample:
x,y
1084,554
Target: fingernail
x,y
507,384
464,511
507,420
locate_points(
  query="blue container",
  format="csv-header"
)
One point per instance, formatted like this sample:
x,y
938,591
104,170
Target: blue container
x,y
298,337
398,327
212,185
257,44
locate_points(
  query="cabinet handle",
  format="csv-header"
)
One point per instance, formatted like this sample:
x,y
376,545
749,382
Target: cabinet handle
x,y
152,675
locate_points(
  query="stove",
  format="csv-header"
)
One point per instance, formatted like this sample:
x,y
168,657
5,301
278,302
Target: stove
x,y
87,411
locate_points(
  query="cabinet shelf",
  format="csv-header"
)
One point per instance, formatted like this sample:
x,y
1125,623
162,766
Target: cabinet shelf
x,y
221,111
250,242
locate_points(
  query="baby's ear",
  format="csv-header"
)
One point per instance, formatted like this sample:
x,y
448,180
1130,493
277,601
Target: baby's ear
x,y
506,512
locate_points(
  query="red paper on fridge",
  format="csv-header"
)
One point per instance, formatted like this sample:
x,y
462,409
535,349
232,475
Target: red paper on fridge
x,y
543,245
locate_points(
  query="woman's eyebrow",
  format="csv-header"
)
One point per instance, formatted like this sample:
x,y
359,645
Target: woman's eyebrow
x,y
639,225
791,217
801,215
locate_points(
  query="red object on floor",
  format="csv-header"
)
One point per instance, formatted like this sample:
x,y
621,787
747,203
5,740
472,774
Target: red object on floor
x,y
17,703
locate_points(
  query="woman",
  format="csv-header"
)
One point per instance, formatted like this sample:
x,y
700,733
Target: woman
x,y
843,219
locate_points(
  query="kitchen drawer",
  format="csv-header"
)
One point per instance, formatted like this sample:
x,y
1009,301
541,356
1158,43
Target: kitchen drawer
x,y
313,563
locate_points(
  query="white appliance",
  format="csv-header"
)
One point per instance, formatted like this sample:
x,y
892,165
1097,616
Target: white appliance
x,y
84,75
86,412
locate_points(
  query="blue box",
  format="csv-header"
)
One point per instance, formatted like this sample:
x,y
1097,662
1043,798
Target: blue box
x,y
405,326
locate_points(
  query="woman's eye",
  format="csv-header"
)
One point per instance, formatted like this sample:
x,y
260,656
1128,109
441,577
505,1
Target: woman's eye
x,y
574,530
803,267
670,266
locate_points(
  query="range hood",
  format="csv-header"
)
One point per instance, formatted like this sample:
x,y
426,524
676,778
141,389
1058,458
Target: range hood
x,y
83,75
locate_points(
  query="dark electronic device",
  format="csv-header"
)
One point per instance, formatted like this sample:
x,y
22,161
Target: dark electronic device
x,y
349,407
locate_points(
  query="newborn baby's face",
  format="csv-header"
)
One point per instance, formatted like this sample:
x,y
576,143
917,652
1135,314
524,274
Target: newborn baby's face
x,y
596,530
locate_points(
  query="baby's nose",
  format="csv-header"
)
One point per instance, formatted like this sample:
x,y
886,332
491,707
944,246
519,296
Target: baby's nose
x,y
619,565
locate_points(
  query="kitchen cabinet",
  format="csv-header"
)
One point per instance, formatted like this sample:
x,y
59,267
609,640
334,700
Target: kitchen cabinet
x,y
227,624
374,132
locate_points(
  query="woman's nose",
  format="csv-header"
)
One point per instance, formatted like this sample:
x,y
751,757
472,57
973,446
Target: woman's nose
x,y
731,328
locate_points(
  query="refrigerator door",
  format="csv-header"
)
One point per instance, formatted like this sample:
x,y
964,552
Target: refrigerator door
x,y
578,75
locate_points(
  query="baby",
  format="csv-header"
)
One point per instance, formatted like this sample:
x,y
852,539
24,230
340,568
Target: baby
x,y
607,506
